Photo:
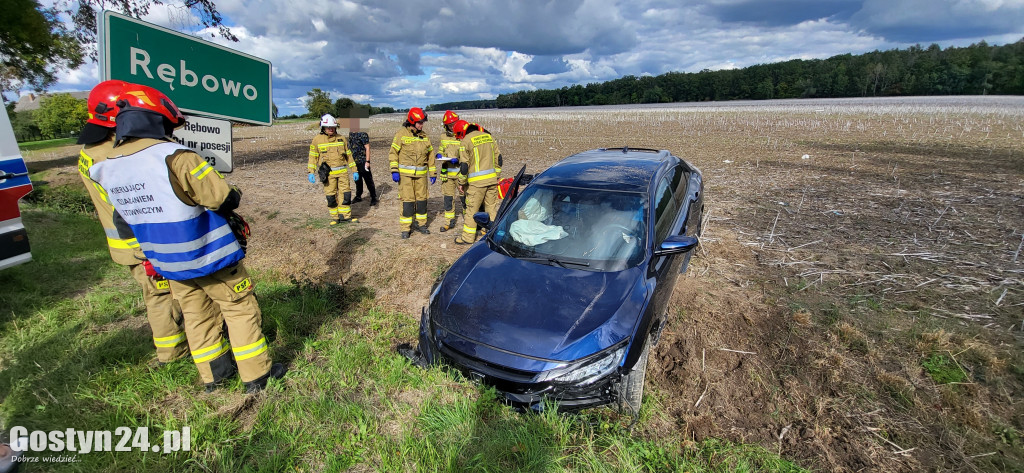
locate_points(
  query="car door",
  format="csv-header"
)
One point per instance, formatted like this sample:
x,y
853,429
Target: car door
x,y
667,222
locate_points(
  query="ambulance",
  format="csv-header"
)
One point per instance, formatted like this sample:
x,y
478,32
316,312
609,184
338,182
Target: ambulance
x,y
14,184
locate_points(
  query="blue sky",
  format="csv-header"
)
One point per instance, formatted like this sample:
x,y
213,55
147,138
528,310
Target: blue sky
x,y
403,53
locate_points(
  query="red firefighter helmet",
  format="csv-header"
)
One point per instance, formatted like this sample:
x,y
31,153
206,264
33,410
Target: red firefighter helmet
x,y
148,98
416,114
102,102
449,117
503,186
459,128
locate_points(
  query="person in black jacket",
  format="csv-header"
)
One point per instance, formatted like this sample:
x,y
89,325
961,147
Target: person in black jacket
x,y
359,143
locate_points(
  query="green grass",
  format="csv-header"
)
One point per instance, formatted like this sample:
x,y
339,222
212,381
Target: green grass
x,y
943,369
74,353
45,144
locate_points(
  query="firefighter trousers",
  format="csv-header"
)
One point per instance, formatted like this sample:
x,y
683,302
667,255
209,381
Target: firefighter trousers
x,y
475,198
230,291
339,197
450,191
413,192
164,315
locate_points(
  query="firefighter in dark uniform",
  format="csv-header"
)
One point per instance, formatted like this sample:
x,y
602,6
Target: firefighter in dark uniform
x,y
449,170
479,173
331,149
412,163
162,310
181,211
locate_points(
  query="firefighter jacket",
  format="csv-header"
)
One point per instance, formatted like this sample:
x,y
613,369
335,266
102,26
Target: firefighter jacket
x,y
411,154
449,148
479,160
168,194
332,150
124,248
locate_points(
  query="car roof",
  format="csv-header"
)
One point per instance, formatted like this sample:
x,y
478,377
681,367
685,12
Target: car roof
x,y
617,169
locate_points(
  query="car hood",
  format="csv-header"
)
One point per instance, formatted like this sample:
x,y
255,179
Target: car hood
x,y
537,310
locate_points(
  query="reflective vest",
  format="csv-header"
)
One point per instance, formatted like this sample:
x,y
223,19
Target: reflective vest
x,y
120,241
181,241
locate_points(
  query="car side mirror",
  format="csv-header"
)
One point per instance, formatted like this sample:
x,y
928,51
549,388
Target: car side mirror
x,y
482,219
676,244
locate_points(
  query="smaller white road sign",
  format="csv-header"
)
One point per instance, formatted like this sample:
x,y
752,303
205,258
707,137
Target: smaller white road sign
x,y
210,138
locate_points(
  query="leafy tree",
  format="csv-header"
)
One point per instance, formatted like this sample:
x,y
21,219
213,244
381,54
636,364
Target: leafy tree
x,y
35,46
319,103
24,126
61,114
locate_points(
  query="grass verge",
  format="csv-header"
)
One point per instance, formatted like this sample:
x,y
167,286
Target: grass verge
x,y
46,144
75,350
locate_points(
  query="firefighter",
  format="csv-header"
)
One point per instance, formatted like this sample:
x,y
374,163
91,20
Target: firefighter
x,y
411,165
479,173
181,211
162,310
449,170
331,149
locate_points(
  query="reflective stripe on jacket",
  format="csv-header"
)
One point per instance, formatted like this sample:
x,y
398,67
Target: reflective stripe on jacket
x,y
479,152
411,154
182,241
330,149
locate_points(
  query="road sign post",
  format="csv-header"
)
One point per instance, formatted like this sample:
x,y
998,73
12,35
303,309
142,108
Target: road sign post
x,y
201,77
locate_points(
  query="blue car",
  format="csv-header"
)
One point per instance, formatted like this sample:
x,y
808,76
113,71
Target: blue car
x,y
567,294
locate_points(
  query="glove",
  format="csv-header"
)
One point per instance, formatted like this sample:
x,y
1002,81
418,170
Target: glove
x,y
394,176
312,179
455,161
433,179
439,156
355,175
150,270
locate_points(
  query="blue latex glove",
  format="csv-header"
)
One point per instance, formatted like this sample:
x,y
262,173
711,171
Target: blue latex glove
x,y
394,176
433,179
439,156
312,179
355,175
455,161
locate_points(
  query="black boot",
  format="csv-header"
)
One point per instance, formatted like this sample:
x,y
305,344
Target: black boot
x,y
405,235
277,371
416,226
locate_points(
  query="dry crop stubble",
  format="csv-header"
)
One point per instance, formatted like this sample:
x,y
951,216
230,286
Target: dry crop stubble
x,y
839,236
891,210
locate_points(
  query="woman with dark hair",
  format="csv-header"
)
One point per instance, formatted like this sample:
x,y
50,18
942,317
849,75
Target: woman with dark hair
x,y
359,144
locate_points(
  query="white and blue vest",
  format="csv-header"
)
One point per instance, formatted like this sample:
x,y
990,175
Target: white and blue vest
x,y
181,241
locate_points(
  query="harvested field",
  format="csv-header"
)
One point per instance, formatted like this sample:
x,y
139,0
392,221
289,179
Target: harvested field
x,y
854,253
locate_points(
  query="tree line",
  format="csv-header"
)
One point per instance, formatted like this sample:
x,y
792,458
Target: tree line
x,y
318,103
973,70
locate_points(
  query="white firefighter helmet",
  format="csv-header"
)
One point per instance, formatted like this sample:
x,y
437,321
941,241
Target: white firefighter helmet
x,y
328,121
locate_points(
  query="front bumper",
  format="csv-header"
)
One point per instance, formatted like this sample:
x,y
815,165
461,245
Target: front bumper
x,y
519,388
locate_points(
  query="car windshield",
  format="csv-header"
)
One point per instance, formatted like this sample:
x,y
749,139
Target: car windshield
x,y
595,230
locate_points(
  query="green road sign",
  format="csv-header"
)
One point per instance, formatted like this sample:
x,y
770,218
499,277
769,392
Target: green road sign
x,y
200,77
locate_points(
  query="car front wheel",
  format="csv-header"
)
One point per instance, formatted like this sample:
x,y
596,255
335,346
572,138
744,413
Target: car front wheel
x,y
631,387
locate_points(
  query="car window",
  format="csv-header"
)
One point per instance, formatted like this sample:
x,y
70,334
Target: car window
x,y
666,205
589,229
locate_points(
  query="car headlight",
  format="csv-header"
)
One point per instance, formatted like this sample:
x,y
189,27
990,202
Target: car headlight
x,y
594,368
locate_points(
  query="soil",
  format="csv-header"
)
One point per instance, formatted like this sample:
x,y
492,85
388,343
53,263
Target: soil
x,y
841,240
